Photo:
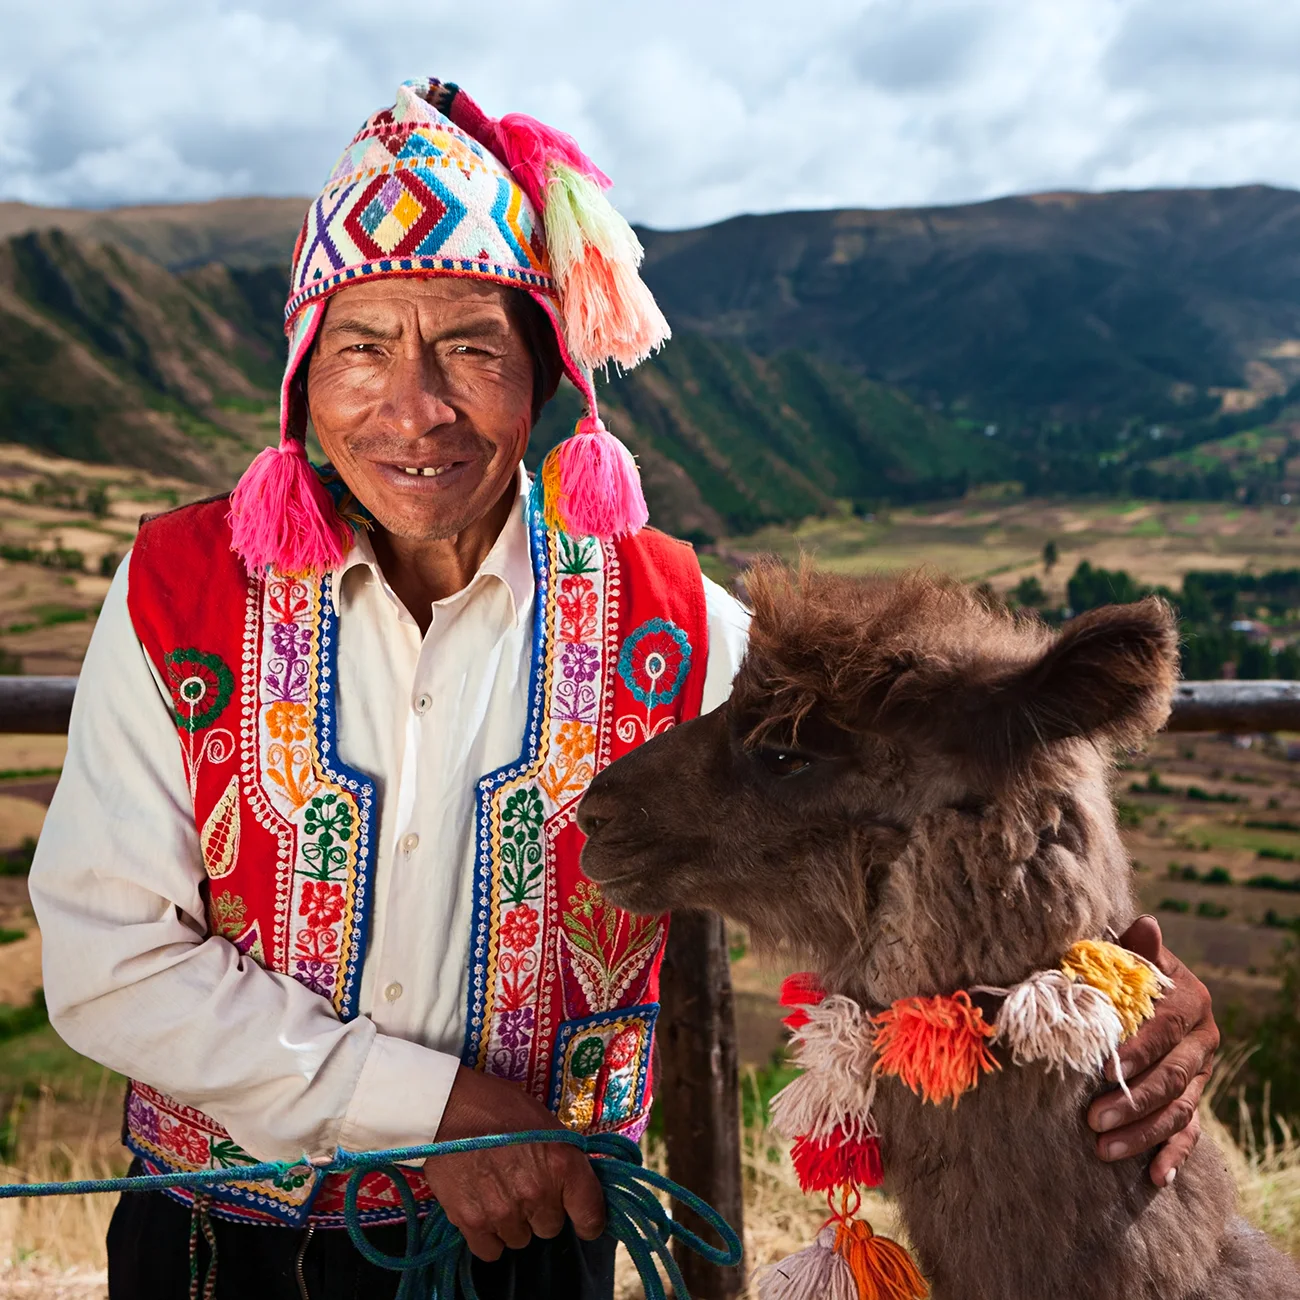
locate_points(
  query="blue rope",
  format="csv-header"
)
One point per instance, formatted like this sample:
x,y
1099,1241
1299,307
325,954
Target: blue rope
x,y
437,1259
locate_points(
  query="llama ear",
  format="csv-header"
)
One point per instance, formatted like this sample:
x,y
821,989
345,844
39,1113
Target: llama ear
x,y
1110,674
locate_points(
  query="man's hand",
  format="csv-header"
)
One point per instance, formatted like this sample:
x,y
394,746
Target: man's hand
x,y
499,1199
1166,1064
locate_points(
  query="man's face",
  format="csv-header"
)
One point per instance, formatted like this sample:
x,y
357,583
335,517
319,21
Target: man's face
x,y
421,393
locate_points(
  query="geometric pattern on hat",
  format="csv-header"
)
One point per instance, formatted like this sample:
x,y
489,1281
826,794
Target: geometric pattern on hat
x,y
415,193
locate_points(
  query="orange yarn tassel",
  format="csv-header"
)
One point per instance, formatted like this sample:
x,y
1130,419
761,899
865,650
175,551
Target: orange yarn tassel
x,y
938,1046
882,1269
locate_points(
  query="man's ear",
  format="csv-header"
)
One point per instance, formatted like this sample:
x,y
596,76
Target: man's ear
x,y
1109,675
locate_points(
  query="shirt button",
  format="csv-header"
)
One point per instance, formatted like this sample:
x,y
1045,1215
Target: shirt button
x,y
410,842
423,703
393,992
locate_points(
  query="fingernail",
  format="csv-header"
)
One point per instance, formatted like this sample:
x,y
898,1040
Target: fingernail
x,y
1107,1120
1170,1176
1115,1150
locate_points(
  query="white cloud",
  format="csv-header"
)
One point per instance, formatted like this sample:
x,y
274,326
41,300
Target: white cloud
x,y
699,109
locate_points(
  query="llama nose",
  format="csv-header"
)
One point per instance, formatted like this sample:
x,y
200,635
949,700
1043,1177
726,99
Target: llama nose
x,y
591,817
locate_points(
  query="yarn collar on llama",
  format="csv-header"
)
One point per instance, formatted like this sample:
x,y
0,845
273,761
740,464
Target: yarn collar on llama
x,y
1073,1017
433,186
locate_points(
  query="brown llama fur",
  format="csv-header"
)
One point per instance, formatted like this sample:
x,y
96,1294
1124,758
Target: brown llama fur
x,y
908,792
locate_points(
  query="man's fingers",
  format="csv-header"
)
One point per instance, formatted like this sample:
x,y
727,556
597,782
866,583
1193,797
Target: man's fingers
x,y
584,1200
1168,1079
547,1221
1152,1129
513,1229
1164,1168
1144,938
486,1246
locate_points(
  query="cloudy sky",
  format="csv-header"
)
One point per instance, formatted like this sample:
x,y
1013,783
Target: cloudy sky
x,y
699,109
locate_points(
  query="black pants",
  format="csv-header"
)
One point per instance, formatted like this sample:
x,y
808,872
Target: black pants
x,y
149,1259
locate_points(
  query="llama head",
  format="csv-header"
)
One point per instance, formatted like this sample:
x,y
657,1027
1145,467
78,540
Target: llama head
x,y
895,756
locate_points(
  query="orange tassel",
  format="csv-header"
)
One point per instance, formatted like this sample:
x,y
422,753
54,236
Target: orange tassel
x,y
937,1046
882,1269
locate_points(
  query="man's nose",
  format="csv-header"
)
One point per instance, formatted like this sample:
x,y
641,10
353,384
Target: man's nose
x,y
417,400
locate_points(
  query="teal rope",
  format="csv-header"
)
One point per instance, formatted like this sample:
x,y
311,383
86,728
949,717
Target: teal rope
x,y
437,1259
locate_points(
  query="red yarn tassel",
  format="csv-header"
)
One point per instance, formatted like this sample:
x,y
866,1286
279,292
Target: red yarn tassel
x,y
836,1161
800,990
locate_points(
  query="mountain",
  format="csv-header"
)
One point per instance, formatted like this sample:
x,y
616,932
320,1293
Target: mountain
x,y
1073,342
246,233
107,356
1065,306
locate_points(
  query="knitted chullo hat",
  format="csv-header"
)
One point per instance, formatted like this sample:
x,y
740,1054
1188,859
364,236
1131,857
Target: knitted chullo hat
x,y
432,186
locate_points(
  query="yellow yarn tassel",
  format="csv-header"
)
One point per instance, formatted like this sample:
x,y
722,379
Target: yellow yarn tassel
x,y
1131,982
550,476
882,1269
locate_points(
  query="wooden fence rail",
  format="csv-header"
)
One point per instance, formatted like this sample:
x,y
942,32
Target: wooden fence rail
x,y
697,1039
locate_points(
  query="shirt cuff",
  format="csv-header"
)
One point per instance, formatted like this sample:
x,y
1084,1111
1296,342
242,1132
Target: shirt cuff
x,y
400,1096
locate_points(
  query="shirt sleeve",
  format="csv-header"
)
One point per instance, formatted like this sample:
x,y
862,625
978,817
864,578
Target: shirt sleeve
x,y
728,639
134,980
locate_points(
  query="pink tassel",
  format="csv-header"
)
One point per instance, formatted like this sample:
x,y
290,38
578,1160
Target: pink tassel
x,y
526,146
600,488
609,313
282,517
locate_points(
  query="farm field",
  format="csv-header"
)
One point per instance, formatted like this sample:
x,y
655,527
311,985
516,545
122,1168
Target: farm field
x,y
1212,823
1001,543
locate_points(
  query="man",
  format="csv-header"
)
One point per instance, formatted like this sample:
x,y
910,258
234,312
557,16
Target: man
x,y
311,877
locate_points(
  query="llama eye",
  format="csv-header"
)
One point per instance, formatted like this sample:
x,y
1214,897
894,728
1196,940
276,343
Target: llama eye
x,y
782,762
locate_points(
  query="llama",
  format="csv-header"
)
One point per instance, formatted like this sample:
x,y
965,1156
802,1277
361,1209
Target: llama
x,y
908,790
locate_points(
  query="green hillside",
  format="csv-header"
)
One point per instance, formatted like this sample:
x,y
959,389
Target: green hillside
x,y
107,356
1112,344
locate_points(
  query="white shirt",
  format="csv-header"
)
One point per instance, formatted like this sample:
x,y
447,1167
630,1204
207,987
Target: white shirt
x,y
132,978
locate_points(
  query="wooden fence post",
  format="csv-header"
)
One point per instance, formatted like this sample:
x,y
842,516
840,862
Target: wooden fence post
x,y
699,1086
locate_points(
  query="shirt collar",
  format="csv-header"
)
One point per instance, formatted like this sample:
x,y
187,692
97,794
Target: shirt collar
x,y
509,561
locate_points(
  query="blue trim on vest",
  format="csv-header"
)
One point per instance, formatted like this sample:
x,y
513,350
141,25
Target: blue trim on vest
x,y
647,1013
362,789
480,923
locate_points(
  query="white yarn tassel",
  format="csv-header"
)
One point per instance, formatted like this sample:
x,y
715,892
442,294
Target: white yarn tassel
x,y
1065,1024
816,1273
834,1049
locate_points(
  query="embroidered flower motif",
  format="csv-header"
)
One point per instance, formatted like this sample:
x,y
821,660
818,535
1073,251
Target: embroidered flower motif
x,y
316,975
289,639
517,1028
576,739
655,661
321,904
287,722
579,662
519,928
201,686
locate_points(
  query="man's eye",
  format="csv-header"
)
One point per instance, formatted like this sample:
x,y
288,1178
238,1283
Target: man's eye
x,y
782,762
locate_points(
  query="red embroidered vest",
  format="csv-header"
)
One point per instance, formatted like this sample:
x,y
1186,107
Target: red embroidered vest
x,y
562,987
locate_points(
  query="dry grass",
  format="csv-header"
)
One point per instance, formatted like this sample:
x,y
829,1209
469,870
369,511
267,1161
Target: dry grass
x,y
53,1249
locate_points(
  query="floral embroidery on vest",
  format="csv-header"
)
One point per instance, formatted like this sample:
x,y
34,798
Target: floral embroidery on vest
x,y
559,976
562,984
